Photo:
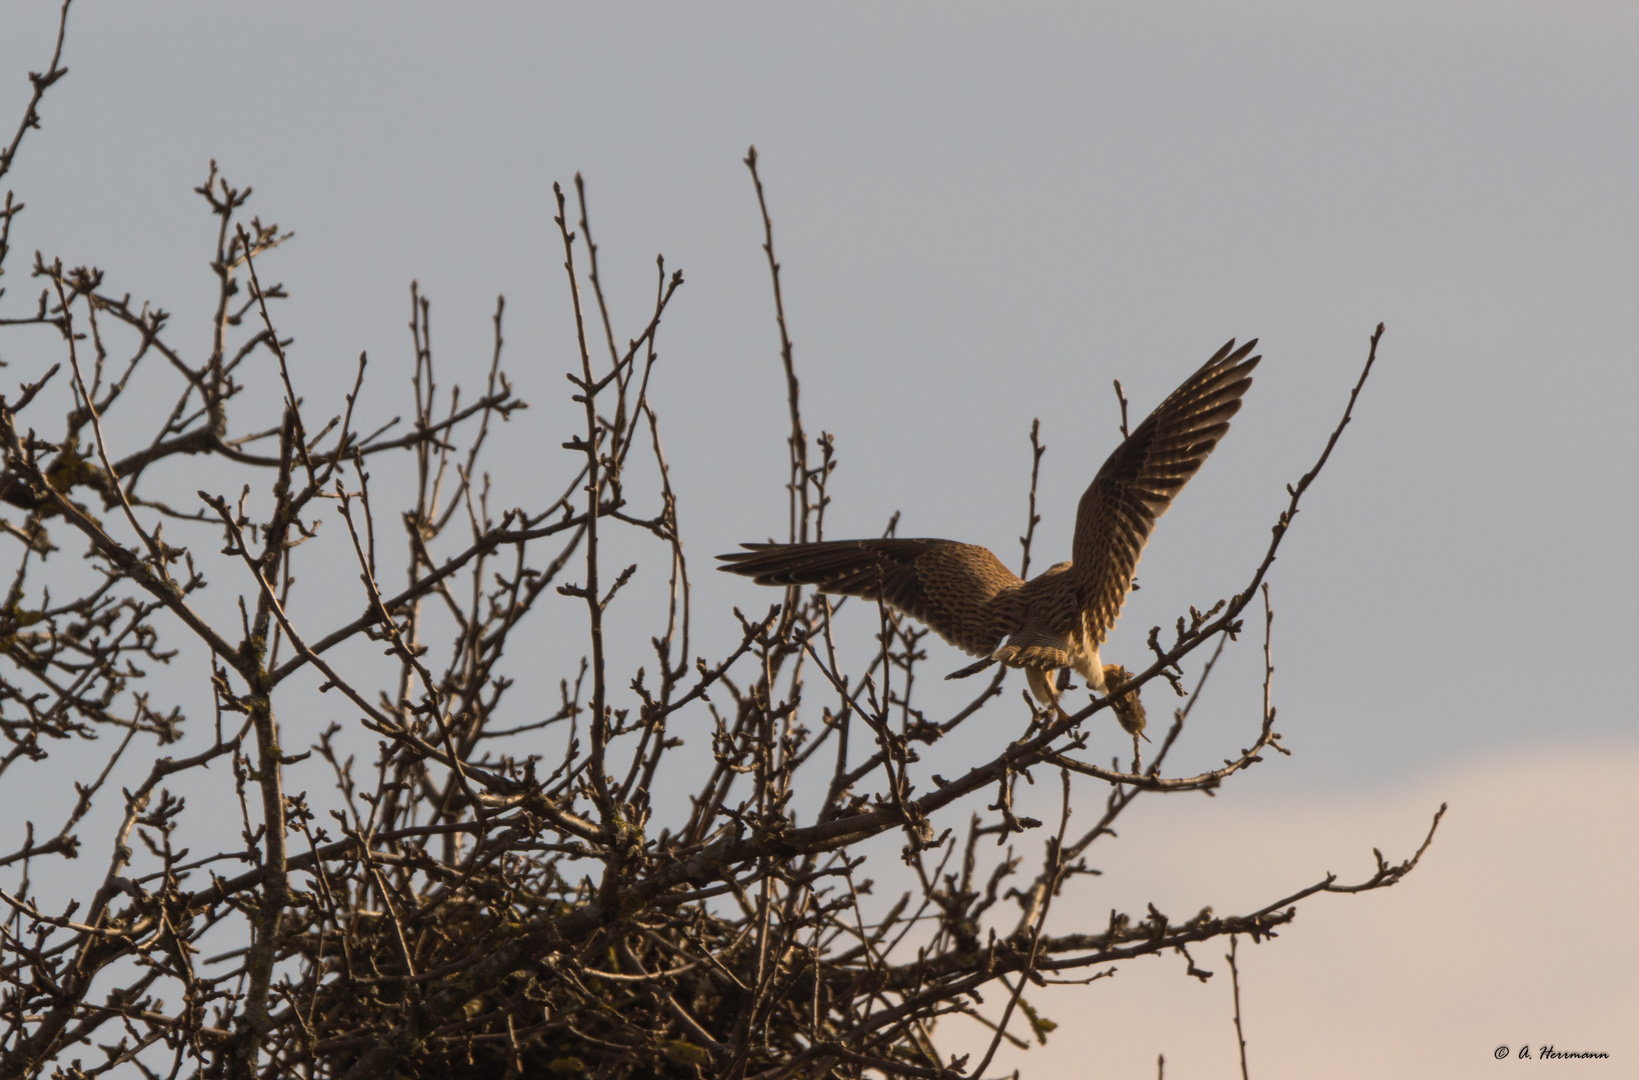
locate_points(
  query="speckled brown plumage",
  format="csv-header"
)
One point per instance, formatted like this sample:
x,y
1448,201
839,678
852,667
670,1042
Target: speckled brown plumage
x,y
1059,618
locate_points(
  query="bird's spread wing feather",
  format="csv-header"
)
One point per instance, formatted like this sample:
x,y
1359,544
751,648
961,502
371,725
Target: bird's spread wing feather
x,y
1139,481
949,586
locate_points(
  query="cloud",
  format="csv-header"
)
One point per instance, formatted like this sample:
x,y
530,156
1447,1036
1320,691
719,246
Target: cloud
x,y
1515,930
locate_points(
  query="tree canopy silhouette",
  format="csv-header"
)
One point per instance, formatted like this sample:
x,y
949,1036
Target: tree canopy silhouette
x,y
492,894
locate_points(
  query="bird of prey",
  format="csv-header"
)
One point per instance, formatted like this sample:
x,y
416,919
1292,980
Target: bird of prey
x,y
1059,618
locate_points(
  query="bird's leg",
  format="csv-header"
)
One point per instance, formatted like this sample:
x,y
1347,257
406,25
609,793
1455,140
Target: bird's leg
x,y
1045,687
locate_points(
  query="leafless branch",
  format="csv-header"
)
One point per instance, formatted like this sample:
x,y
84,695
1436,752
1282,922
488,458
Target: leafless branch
x,y
463,871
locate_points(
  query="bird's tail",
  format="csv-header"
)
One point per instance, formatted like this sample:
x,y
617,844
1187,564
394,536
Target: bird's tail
x,y
1003,655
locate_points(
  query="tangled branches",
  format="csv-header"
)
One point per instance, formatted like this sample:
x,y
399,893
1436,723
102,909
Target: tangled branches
x,y
467,903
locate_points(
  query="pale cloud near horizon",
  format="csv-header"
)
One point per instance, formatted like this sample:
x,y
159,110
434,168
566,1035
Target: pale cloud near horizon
x,y
1516,929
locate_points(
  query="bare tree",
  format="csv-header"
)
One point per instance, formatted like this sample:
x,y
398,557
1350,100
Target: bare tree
x,y
490,896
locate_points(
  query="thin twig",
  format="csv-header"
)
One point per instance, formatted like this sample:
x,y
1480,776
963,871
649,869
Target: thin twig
x,y
1235,983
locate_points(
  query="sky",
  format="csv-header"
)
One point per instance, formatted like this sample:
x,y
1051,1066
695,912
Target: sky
x,y
984,215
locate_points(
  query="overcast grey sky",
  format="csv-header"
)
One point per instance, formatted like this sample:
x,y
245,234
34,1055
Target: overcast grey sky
x,y
985,214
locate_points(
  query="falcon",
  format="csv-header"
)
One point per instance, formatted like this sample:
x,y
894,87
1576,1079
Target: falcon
x,y
1059,618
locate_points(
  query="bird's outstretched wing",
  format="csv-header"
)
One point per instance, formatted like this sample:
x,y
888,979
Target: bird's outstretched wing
x,y
1138,482
948,586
